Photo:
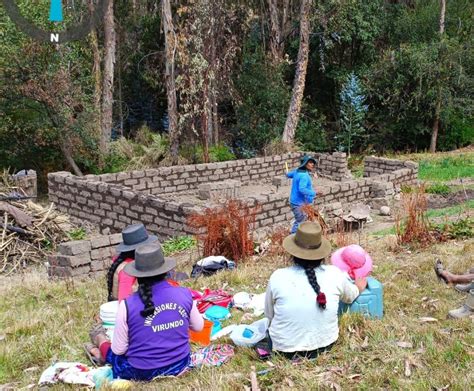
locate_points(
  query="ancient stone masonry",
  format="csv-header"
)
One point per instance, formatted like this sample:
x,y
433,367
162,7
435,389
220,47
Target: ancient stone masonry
x,y
162,198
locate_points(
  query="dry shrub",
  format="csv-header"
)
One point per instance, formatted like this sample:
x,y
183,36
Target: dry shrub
x,y
342,236
276,241
312,213
416,229
226,229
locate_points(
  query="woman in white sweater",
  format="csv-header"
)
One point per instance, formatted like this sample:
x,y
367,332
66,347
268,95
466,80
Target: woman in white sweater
x,y
302,300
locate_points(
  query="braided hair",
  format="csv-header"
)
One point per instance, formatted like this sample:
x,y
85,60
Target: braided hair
x,y
308,267
110,274
145,285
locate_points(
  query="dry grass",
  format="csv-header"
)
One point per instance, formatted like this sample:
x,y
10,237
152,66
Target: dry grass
x,y
42,321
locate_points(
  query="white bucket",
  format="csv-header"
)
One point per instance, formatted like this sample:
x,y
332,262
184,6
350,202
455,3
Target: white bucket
x,y
108,314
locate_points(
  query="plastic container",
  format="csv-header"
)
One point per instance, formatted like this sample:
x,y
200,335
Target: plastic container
x,y
216,327
249,334
108,315
202,337
217,313
370,301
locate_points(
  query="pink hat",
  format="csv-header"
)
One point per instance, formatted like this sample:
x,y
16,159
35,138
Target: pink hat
x,y
354,260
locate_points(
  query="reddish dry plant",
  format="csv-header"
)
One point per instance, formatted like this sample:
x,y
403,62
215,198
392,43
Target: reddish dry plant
x,y
226,230
416,229
312,213
276,239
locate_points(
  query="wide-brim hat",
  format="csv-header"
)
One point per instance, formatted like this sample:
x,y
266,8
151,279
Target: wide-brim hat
x,y
149,261
347,259
308,242
133,236
305,159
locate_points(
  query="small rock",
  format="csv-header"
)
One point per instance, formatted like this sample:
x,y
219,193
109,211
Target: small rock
x,y
397,197
384,211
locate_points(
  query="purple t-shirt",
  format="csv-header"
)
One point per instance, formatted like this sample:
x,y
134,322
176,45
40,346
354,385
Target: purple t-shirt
x,y
162,338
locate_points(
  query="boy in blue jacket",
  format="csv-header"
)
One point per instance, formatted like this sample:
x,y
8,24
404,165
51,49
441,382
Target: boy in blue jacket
x,y
301,189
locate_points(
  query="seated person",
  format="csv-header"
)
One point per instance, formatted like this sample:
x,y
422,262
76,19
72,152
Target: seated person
x,y
354,260
302,300
119,284
151,336
464,284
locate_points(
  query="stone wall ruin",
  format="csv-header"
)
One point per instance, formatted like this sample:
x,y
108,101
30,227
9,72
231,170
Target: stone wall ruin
x,y
162,198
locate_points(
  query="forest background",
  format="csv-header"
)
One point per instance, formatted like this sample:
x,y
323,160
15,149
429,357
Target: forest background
x,y
186,81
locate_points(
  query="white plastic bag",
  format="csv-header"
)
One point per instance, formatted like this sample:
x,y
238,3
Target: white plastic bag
x,y
249,334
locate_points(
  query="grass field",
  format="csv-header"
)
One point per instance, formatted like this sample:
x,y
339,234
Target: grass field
x,y
438,167
43,321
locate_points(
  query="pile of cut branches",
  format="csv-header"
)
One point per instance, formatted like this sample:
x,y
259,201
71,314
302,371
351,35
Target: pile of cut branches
x,y
28,232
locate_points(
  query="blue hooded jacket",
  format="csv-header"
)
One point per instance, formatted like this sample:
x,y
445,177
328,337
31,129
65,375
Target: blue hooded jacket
x,y
301,187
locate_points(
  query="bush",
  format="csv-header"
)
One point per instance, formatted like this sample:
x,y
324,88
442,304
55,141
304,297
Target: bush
x,y
438,188
226,230
217,153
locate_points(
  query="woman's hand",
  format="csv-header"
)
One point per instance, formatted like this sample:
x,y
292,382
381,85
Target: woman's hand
x,y
361,284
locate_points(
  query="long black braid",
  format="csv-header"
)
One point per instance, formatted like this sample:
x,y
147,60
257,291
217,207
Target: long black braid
x,y
308,267
145,292
110,274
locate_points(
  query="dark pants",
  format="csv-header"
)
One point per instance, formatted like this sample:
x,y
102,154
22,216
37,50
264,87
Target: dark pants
x,y
310,354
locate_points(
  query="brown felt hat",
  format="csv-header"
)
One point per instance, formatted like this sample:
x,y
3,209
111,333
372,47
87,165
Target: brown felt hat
x,y
308,242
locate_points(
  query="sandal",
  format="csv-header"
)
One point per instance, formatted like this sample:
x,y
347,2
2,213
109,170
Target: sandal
x,y
438,268
96,362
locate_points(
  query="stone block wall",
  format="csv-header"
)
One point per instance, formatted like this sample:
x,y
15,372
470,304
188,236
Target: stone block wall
x,y
84,257
26,180
374,166
333,166
165,180
113,207
108,202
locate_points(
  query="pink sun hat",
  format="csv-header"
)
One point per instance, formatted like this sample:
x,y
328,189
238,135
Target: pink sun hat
x,y
354,260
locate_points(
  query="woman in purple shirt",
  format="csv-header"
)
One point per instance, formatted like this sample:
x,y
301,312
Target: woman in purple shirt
x,y
151,336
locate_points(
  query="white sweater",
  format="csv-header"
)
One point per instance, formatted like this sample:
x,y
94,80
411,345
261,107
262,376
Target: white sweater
x,y
296,321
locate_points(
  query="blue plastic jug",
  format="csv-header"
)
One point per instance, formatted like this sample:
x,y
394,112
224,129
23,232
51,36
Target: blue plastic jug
x,y
370,301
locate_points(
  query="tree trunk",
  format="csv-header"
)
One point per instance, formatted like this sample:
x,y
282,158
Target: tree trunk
x,y
300,75
96,71
64,146
435,129
119,81
108,78
170,51
215,118
275,31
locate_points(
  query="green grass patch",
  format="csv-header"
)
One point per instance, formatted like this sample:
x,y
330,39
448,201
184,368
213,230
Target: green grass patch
x,y
450,210
438,188
77,233
446,168
178,244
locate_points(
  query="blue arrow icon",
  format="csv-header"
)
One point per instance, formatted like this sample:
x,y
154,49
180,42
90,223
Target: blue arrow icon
x,y
56,11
